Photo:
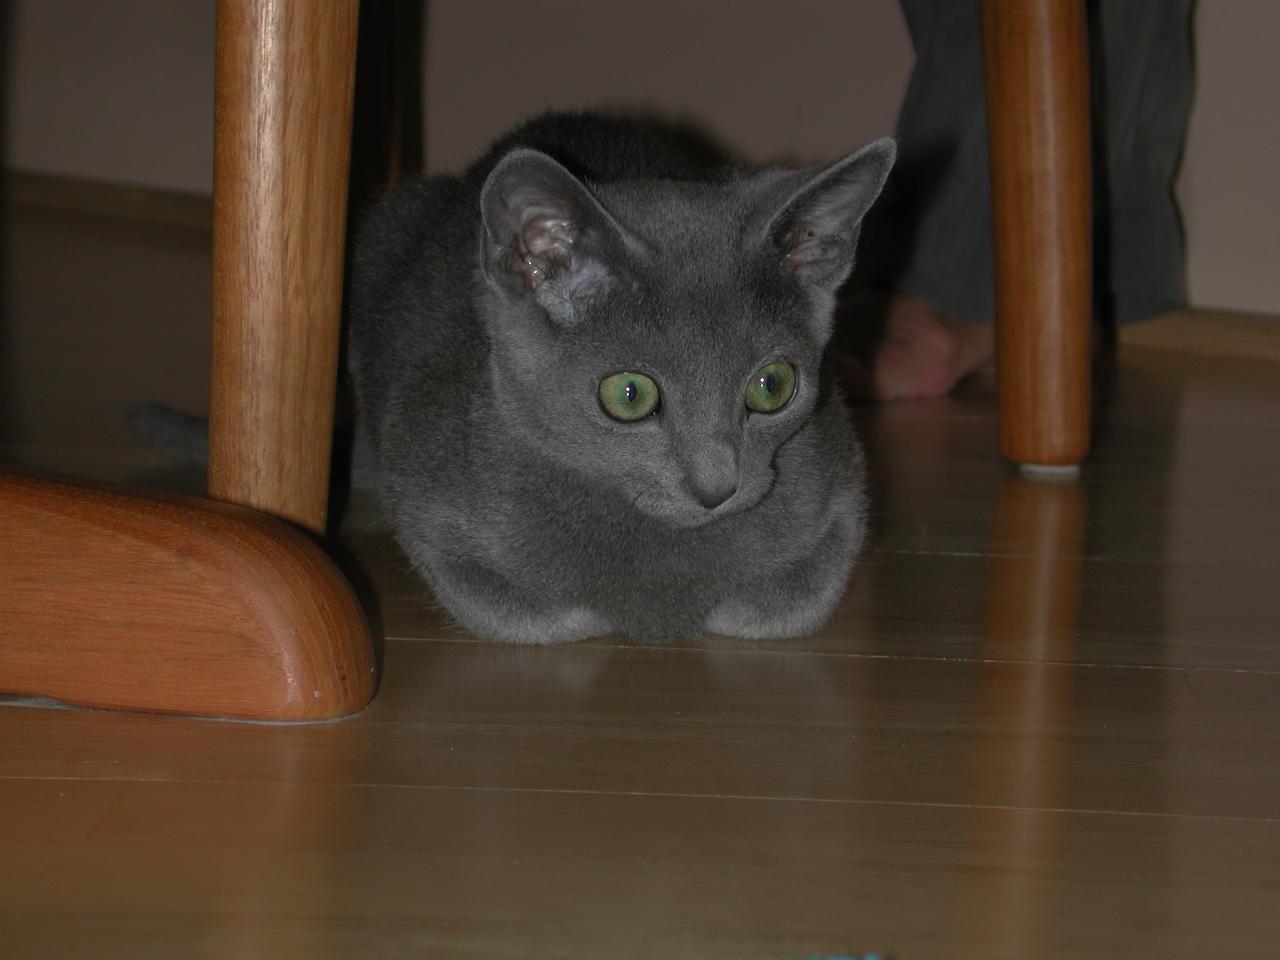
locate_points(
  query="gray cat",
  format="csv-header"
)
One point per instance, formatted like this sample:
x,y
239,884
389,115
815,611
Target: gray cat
x,y
590,371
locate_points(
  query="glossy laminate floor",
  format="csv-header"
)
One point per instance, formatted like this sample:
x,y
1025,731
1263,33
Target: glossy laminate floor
x,y
1045,723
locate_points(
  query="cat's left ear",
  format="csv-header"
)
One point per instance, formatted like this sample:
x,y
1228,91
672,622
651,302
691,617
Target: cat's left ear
x,y
546,236
816,229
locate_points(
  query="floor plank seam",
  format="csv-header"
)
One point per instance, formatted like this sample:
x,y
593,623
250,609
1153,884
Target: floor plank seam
x,y
676,795
855,655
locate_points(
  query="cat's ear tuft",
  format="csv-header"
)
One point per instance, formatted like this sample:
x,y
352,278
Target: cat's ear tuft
x,y
816,229
544,233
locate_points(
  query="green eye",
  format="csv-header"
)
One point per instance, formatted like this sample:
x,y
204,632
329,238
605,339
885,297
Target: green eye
x,y
771,387
628,396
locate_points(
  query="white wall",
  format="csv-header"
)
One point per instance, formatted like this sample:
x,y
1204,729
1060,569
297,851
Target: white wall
x,y
1230,185
804,80
122,91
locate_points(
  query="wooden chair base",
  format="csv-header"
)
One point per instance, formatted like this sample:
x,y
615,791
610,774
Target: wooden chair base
x,y
156,602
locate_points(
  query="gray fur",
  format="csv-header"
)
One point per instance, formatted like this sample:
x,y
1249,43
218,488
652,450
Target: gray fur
x,y
485,310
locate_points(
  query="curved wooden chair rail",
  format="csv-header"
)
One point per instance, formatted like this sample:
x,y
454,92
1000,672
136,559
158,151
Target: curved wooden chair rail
x,y
151,602
148,601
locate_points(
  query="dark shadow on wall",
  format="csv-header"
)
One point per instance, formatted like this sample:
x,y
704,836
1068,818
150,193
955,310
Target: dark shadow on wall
x,y
386,136
386,147
8,362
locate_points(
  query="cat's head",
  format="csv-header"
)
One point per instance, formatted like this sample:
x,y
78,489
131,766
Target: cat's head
x,y
665,338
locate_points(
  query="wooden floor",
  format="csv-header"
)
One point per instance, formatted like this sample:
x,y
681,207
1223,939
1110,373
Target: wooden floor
x,y
1045,723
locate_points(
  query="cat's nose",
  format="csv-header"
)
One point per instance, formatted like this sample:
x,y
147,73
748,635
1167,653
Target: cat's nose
x,y
711,471
714,494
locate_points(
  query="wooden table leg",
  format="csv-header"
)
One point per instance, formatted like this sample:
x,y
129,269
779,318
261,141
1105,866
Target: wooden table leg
x,y
1036,62
284,77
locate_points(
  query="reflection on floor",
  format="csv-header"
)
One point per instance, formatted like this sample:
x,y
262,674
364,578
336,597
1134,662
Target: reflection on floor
x,y
1043,724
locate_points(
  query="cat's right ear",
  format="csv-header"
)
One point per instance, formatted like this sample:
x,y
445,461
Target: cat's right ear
x,y
816,228
545,236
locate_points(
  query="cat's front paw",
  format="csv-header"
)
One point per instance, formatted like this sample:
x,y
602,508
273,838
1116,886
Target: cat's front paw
x,y
738,618
543,628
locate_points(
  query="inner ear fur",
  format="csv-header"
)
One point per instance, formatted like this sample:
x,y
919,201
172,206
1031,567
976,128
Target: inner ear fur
x,y
542,224
816,226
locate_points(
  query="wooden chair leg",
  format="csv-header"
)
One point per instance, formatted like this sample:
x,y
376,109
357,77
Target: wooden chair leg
x,y
1036,63
161,603
284,77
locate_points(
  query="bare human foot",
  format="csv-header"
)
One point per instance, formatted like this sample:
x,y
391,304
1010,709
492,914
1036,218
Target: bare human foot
x,y
921,353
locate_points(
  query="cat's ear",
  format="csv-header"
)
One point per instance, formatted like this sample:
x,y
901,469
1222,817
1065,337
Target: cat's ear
x,y
545,235
816,228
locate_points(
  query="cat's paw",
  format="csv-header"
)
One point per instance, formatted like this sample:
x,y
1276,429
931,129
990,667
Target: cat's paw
x,y
492,607
738,618
538,627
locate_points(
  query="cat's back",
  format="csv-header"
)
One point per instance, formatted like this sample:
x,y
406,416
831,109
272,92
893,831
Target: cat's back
x,y
606,149
438,216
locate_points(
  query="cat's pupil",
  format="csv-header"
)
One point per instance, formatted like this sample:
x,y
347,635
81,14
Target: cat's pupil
x,y
769,382
631,391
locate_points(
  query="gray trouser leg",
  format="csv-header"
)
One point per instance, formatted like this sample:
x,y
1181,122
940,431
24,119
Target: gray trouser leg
x,y
1142,81
931,235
